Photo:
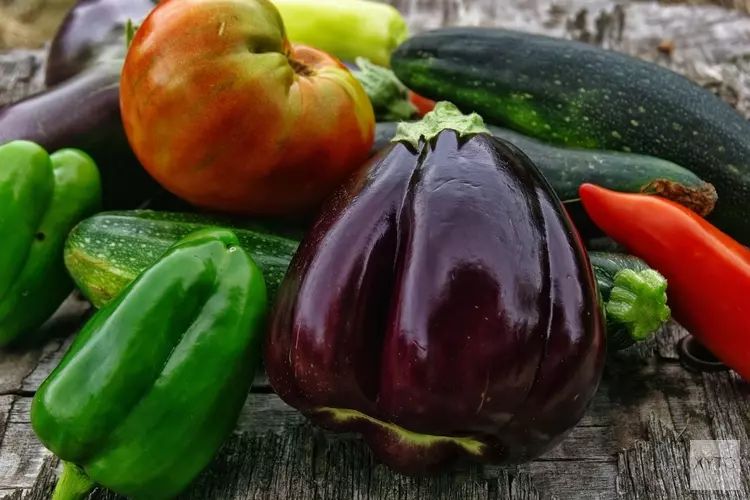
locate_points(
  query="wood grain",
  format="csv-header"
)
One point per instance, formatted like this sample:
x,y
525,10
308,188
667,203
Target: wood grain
x,y
634,442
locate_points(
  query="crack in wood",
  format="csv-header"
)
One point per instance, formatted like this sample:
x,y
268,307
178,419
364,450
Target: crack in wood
x,y
19,392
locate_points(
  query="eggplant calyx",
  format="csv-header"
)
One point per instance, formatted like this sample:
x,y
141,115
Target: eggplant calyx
x,y
389,97
639,302
74,484
445,116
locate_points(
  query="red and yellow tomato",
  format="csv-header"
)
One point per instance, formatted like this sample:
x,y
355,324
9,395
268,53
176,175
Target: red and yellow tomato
x,y
225,113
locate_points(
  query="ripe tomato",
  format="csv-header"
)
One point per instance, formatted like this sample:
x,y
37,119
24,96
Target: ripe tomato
x,y
225,113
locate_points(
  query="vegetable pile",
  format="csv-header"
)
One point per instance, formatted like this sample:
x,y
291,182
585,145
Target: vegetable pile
x,y
399,226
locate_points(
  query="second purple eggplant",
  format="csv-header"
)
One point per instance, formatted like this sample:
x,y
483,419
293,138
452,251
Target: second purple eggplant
x,y
80,106
92,31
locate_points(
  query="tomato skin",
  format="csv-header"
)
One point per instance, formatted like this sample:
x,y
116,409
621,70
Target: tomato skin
x,y
422,104
708,272
226,114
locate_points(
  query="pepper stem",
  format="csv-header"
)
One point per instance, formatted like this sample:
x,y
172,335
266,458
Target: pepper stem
x,y
389,97
701,199
444,116
74,484
638,302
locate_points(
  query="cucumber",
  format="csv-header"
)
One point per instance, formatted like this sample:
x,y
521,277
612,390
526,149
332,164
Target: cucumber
x,y
642,291
567,168
106,252
578,95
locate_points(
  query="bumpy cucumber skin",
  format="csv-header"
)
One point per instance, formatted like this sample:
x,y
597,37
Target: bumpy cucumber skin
x,y
567,168
106,252
579,95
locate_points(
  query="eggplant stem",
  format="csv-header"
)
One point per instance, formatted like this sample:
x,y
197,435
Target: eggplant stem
x,y
74,484
445,116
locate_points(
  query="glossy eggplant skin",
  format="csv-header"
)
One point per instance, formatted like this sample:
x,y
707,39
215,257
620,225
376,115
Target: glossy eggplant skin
x,y
80,108
443,306
92,31
83,113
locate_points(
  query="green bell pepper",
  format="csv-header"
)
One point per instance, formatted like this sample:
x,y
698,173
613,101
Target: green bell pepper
x,y
154,382
42,197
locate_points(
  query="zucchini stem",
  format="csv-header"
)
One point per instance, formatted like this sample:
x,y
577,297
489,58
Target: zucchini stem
x,y
74,484
637,303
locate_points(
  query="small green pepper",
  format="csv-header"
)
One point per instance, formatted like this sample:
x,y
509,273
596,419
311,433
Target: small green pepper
x,y
42,197
346,30
154,383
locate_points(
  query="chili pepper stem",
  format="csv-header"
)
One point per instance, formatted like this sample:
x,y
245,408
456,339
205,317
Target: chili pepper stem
x,y
74,484
638,301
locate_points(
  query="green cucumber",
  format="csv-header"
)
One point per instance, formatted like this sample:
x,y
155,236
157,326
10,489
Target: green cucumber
x,y
634,297
578,95
106,252
567,168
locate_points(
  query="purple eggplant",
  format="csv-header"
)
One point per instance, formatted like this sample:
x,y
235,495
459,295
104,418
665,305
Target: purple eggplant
x,y
442,305
80,108
92,31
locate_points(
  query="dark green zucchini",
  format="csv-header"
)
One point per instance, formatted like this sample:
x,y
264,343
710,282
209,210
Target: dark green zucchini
x,y
579,95
567,168
634,297
107,251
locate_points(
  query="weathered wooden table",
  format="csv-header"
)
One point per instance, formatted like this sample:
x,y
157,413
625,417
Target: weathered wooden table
x,y
635,440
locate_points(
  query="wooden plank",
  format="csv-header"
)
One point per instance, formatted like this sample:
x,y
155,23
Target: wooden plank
x,y
298,465
20,75
6,404
639,426
584,480
666,340
660,468
266,413
728,408
24,368
593,445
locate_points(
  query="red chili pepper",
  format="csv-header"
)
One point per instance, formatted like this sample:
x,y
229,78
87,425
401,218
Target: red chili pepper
x,y
422,104
708,272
